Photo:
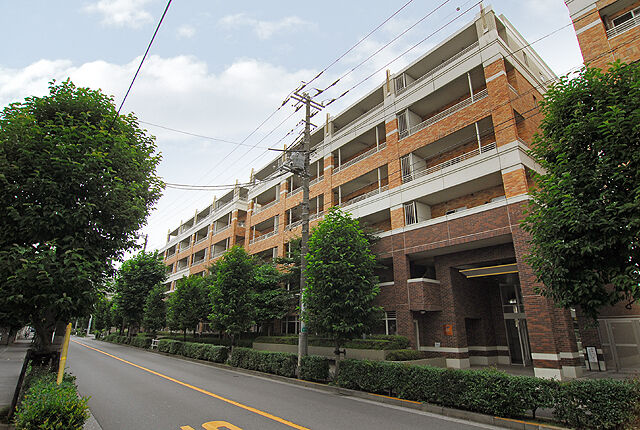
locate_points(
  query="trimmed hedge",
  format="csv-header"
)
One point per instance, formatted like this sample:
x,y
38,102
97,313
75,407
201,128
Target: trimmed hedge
x,y
314,368
379,342
598,403
48,406
209,339
403,355
170,346
141,342
277,363
204,351
593,404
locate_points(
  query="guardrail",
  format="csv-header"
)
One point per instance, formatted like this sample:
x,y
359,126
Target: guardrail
x,y
431,72
438,167
360,157
619,29
316,180
444,114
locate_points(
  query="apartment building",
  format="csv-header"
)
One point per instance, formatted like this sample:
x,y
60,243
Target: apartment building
x,y
609,30
434,159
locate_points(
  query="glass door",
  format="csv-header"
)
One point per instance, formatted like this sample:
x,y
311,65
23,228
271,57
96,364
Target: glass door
x,y
515,324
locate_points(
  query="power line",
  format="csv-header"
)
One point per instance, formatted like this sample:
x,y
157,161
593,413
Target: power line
x,y
144,56
188,133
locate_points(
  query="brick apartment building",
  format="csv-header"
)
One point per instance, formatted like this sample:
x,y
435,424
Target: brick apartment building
x,y
609,30
435,159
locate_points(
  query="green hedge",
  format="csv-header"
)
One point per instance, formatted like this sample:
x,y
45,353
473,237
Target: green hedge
x,y
203,351
598,403
48,406
592,404
209,339
379,342
170,346
141,342
314,368
278,363
403,355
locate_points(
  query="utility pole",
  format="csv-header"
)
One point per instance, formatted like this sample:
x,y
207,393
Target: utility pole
x,y
305,99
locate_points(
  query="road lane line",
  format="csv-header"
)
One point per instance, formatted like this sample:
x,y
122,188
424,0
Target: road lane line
x,y
200,390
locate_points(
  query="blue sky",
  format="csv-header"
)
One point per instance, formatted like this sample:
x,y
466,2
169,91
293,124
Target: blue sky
x,y
220,68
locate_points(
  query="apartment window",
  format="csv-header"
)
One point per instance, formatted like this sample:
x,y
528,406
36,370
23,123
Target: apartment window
x,y
291,324
410,216
400,83
402,122
626,17
390,322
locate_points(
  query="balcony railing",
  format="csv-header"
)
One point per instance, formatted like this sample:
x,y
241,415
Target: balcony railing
x,y
296,191
431,72
184,247
627,25
219,253
316,215
360,157
364,196
202,239
438,167
263,237
444,114
347,127
265,207
195,262
293,225
316,180
221,229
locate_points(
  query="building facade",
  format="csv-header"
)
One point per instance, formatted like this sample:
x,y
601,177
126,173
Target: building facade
x,y
435,160
609,30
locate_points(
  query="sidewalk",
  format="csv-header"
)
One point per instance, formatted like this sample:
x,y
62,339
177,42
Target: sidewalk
x,y
11,359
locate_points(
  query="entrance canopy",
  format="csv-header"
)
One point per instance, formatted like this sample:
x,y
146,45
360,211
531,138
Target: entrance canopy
x,y
478,272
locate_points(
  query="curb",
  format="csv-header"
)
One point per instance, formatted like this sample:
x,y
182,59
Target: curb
x,y
411,404
91,423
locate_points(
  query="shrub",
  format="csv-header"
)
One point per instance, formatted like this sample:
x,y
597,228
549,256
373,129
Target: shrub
x,y
379,342
141,342
278,363
314,368
403,355
47,405
170,346
214,353
598,403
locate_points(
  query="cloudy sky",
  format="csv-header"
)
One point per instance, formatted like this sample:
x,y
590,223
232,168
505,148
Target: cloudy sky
x,y
219,68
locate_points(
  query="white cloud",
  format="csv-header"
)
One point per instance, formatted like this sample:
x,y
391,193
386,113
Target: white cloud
x,y
186,31
264,29
121,13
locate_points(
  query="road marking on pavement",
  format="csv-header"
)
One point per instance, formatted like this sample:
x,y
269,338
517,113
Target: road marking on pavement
x,y
200,390
214,425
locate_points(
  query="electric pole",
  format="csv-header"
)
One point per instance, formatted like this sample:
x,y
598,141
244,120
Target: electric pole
x,y
304,243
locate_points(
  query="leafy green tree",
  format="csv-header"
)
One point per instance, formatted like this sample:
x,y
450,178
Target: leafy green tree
x,y
584,221
77,182
134,280
155,310
233,309
271,300
188,304
341,284
290,264
102,314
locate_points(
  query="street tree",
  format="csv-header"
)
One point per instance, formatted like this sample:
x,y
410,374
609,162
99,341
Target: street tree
x,y
584,220
77,182
232,306
341,284
134,280
155,310
188,305
102,314
270,297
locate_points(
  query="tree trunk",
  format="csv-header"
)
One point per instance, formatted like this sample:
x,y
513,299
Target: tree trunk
x,y
184,335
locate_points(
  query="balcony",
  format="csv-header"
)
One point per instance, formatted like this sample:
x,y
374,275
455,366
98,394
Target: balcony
x,y
316,180
625,26
350,126
364,196
263,237
259,209
444,114
439,167
360,157
401,89
221,229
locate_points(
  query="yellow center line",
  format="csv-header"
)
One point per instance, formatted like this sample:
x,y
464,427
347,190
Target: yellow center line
x,y
200,390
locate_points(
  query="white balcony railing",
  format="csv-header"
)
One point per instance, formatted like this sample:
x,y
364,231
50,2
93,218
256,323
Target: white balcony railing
x,y
219,253
444,114
627,25
347,127
265,207
202,239
296,191
263,237
221,229
316,180
431,72
438,167
364,196
360,157
184,247
293,225
316,215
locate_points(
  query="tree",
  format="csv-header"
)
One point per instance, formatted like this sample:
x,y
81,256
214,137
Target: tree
x,y
155,310
232,307
134,280
102,314
341,284
271,300
585,214
77,182
189,304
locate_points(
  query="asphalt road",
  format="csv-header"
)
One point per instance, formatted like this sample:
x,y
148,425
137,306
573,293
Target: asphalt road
x,y
135,389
